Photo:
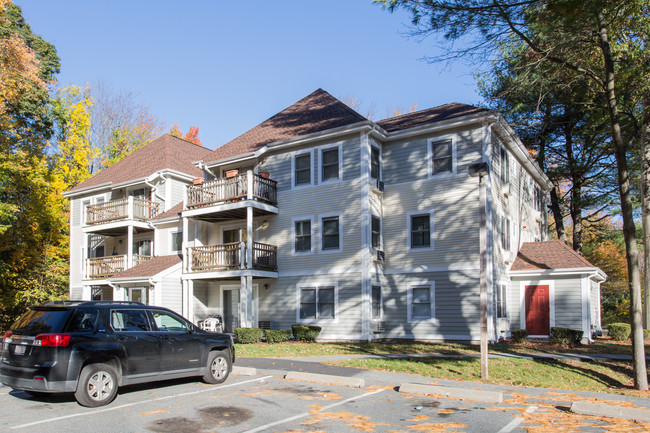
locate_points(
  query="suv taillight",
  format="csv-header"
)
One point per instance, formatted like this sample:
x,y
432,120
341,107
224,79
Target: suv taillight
x,y
7,337
52,340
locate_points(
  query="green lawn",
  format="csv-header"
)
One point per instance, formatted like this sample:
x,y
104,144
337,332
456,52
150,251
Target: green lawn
x,y
293,349
606,376
613,377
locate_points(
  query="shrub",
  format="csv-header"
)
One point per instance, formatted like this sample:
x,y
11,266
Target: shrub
x,y
646,334
277,335
518,335
619,331
566,336
305,332
248,335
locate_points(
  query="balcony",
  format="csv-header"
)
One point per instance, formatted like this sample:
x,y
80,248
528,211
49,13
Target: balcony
x,y
105,267
224,199
112,217
230,257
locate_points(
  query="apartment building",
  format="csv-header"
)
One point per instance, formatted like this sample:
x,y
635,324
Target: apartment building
x,y
320,216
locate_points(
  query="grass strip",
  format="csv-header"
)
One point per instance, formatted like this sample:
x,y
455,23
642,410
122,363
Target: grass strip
x,y
609,376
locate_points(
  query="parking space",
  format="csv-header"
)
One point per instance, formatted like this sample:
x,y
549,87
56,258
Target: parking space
x,y
272,404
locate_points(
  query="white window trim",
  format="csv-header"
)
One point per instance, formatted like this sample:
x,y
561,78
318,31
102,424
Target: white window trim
x,y
497,288
320,233
312,219
432,298
317,285
171,238
84,203
381,231
294,155
502,177
320,164
431,246
454,168
508,220
381,301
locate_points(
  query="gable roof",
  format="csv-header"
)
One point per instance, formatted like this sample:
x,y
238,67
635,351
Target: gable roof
x,y
431,115
166,152
149,268
535,256
318,111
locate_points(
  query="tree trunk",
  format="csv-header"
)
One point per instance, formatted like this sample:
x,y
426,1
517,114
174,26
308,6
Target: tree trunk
x,y
557,215
645,206
632,254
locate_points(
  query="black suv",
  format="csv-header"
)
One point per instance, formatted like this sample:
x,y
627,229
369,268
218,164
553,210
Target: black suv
x,y
92,348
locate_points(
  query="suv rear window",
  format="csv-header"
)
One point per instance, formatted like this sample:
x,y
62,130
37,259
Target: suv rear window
x,y
83,321
41,320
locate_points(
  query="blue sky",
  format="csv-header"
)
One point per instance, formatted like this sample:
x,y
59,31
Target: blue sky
x,y
226,66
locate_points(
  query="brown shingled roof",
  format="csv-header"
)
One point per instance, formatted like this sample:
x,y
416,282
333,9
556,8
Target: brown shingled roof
x,y
316,112
166,152
431,115
534,256
175,211
151,267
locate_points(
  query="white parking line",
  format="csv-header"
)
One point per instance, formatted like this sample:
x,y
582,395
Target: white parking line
x,y
515,422
306,414
108,409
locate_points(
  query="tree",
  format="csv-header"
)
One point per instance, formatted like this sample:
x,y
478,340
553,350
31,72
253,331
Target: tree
x,y
584,40
192,135
73,154
33,237
118,125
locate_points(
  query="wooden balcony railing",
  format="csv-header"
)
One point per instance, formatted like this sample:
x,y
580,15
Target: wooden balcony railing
x,y
105,267
232,189
230,257
122,209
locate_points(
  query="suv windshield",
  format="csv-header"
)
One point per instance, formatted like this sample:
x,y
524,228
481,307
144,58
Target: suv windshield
x,y
41,320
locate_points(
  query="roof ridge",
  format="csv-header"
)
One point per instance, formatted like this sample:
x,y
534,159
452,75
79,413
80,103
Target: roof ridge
x,y
426,109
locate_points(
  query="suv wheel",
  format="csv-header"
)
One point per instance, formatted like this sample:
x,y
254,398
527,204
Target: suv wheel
x,y
97,385
218,366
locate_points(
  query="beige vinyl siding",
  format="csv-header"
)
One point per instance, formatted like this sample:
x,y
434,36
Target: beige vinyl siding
x,y
172,293
76,293
177,191
454,202
514,300
568,303
347,323
342,198
456,306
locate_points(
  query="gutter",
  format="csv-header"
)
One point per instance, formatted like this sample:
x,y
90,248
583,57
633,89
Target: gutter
x,y
72,193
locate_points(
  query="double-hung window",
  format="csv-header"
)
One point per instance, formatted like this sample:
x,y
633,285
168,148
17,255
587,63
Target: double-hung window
x,y
317,303
421,302
176,244
420,231
501,310
376,232
504,166
442,157
376,301
505,233
331,236
302,241
375,163
302,170
330,164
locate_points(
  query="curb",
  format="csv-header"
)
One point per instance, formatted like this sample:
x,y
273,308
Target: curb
x,y
629,413
325,379
457,393
243,371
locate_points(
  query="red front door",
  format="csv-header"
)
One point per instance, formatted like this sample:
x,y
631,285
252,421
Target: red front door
x,y
537,310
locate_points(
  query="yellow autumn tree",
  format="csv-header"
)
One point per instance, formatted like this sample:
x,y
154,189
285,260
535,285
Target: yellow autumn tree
x,y
73,151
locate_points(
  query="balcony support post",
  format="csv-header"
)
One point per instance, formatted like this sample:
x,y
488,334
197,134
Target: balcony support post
x,y
130,206
249,237
129,243
246,302
249,184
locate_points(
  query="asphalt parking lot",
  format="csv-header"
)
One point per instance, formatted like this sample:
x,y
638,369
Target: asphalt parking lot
x,y
270,403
